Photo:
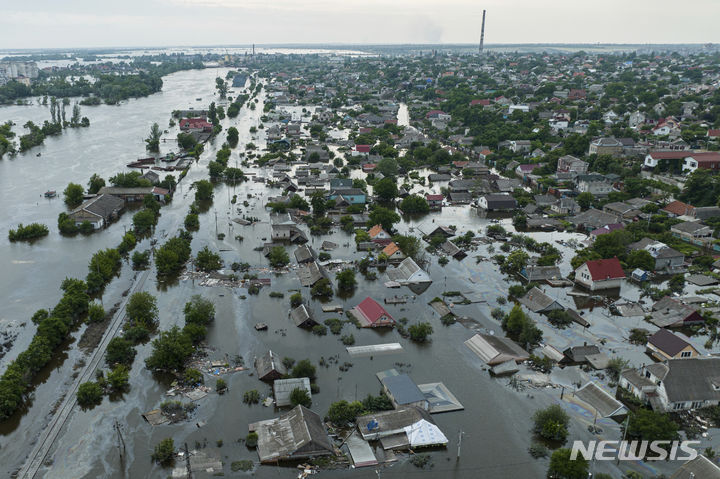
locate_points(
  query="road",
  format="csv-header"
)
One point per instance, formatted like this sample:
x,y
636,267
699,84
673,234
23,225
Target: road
x,y
50,433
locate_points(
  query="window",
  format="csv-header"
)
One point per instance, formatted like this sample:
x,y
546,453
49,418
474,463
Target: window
x,y
697,404
686,354
679,405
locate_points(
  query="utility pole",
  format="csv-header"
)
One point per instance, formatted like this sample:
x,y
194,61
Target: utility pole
x,y
121,440
216,228
187,462
627,423
460,436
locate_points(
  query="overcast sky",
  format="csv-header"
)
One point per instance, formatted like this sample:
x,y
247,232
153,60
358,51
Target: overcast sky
x,y
101,23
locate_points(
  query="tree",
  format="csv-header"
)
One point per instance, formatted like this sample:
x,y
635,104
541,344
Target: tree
x,y
387,166
199,311
192,222
648,425
144,221
186,141
520,327
232,136
278,257
164,453
346,280
73,195
386,189
318,204
584,200
89,394
118,378
640,259
119,351
95,183
304,369
203,190
170,350
300,396
677,283
296,300
562,467
322,288
515,262
142,309
208,261
551,423
343,412
410,246
152,142
419,332
383,217
414,204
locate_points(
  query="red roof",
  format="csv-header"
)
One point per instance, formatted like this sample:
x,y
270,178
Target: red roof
x,y
601,269
713,133
485,102
362,148
195,123
434,197
679,208
434,113
670,155
372,310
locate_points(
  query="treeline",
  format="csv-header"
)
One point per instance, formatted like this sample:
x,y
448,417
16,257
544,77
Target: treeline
x,y
54,326
146,79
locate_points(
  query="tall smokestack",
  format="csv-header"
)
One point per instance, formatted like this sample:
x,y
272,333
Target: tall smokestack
x,y
482,34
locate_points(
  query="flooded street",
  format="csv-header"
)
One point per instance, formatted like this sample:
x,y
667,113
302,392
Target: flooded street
x,y
495,423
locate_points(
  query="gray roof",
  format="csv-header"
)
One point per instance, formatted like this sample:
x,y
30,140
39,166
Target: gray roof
x,y
119,190
495,350
698,468
693,379
500,201
269,366
282,388
311,273
390,422
301,316
403,389
102,205
578,354
304,253
538,302
297,434
593,218
601,400
408,272
689,227
539,273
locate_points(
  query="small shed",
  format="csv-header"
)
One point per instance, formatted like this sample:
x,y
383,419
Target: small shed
x,y
302,318
282,388
269,367
403,391
639,275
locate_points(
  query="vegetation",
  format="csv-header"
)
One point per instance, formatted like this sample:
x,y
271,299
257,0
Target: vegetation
x,y
152,142
251,397
278,257
561,467
419,332
30,232
207,261
551,423
170,257
164,453
342,412
89,394
520,327
414,204
299,396
73,195
346,280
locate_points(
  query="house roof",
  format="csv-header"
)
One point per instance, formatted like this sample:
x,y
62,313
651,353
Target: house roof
x,y
372,310
390,249
375,230
297,434
667,342
537,301
692,379
403,389
495,350
101,205
603,269
678,208
301,316
282,388
607,229
408,272
700,467
434,197
267,364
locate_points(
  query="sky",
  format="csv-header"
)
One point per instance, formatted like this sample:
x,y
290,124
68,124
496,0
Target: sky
x,y
130,23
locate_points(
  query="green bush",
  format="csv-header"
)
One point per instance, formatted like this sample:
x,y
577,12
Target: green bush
x,y
551,423
89,394
299,396
164,453
251,439
28,233
251,397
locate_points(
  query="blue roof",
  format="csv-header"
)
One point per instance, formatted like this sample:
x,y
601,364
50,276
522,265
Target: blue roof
x,y
403,389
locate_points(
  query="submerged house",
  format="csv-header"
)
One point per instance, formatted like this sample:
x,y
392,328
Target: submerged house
x,y
269,367
664,345
403,391
494,350
98,211
288,231
297,434
538,302
302,318
283,388
408,272
600,274
371,314
671,313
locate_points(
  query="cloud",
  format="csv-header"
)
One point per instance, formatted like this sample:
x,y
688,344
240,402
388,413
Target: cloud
x,y
47,19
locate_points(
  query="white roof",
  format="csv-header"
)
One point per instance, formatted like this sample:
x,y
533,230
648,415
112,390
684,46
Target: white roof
x,y
424,433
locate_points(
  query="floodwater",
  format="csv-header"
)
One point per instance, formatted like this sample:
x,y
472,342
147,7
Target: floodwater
x,y
495,423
